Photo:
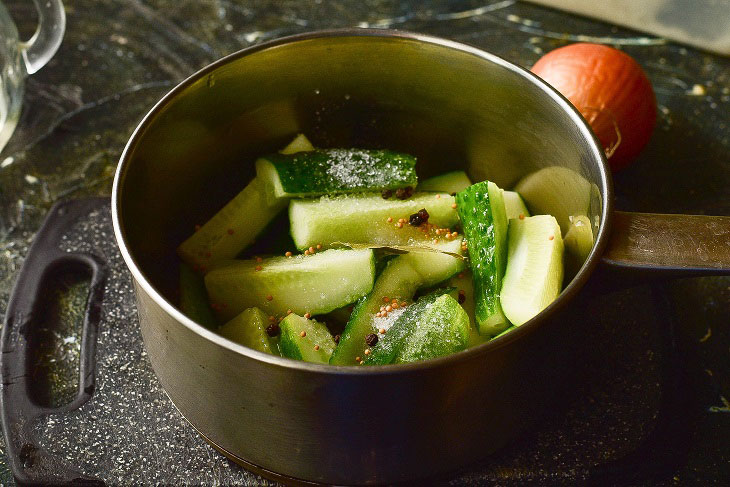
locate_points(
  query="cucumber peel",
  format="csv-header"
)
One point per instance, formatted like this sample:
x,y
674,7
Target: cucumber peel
x,y
534,267
482,213
328,171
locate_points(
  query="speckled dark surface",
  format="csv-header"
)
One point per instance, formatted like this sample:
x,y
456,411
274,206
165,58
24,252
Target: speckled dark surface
x,y
119,57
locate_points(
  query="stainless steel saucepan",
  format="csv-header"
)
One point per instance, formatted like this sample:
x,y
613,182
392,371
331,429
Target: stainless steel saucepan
x,y
451,105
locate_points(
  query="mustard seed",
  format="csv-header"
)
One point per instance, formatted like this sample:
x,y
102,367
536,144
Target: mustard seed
x,y
302,333
382,331
269,297
307,315
316,347
367,351
288,254
258,267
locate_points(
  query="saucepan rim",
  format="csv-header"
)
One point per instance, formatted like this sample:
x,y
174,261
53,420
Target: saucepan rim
x,y
605,188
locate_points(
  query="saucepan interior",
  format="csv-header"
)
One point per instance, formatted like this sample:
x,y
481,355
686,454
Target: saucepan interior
x,y
452,106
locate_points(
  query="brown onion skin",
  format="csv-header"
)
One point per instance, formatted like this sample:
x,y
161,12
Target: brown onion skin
x,y
608,87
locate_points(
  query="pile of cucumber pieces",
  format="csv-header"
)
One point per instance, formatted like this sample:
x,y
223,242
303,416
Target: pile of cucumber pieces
x,y
469,268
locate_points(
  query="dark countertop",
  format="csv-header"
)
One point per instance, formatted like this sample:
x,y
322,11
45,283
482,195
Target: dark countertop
x,y
119,57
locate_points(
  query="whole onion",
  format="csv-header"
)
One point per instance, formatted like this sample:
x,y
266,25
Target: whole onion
x,y
610,90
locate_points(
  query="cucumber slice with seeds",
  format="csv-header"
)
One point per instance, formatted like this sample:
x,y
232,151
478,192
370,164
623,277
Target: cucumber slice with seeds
x,y
249,329
328,171
363,219
482,212
303,339
313,284
534,267
232,229
451,182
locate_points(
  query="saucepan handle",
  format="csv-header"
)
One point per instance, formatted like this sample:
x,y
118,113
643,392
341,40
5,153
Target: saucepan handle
x,y
26,312
669,245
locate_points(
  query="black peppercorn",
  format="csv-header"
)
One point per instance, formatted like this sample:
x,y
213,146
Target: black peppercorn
x,y
409,191
386,193
462,298
371,339
415,219
337,338
273,330
400,193
423,214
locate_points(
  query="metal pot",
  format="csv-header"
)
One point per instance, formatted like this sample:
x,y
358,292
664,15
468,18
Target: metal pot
x,y
451,105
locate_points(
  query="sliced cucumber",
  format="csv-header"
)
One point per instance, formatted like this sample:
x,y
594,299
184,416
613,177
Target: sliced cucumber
x,y
400,280
249,329
313,284
534,267
505,332
436,267
363,219
513,205
464,293
556,191
300,144
232,229
482,212
451,182
303,339
432,327
194,298
327,171
578,243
